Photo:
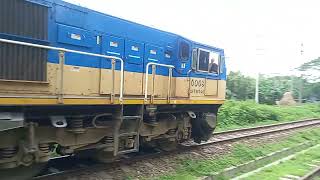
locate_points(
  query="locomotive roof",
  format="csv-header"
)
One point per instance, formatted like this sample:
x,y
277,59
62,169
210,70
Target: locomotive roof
x,y
87,10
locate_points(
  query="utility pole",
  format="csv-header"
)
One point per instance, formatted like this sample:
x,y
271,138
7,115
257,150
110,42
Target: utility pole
x,y
300,89
259,54
301,80
257,88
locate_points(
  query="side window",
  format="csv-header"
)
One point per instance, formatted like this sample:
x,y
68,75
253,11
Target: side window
x,y
194,59
222,62
203,61
184,51
206,61
214,63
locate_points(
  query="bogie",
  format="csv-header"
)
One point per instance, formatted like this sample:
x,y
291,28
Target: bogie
x,y
103,135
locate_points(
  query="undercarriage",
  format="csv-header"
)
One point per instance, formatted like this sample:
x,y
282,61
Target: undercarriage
x,y
31,135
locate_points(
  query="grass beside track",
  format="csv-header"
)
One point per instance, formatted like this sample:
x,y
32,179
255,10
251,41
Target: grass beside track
x,y
300,165
242,114
192,168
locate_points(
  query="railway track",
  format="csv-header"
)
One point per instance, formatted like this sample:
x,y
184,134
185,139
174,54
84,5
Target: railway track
x,y
312,175
69,165
237,134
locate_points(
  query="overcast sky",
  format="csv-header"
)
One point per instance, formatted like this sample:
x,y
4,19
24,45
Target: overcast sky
x,y
258,35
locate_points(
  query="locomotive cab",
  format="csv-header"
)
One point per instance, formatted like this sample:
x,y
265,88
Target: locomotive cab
x,y
204,66
206,72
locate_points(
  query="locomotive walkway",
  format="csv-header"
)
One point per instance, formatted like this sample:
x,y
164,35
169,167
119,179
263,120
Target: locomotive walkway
x,y
59,168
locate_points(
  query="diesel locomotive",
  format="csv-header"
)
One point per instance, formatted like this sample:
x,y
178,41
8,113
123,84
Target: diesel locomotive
x,y
74,81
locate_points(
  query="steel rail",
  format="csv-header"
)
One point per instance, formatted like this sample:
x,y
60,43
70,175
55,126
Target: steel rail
x,y
264,126
186,147
247,133
312,175
76,52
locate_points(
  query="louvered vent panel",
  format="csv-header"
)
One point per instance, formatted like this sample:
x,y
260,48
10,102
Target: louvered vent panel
x,y
23,19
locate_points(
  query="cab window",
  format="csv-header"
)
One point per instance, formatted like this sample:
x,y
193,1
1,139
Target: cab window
x,y
214,63
203,60
194,59
206,61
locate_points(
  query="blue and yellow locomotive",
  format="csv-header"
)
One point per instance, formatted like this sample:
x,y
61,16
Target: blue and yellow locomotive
x,y
80,82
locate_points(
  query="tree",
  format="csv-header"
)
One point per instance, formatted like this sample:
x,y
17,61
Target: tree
x,y
311,70
311,65
239,86
271,89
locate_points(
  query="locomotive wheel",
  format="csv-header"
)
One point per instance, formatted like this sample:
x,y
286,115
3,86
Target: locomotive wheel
x,y
203,126
22,172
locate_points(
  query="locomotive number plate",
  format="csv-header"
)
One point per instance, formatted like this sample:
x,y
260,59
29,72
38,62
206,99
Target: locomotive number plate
x,y
197,87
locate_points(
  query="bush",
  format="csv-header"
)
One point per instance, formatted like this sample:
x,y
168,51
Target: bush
x,y
244,113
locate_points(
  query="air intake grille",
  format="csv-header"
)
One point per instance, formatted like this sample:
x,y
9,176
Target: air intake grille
x,y
24,20
22,63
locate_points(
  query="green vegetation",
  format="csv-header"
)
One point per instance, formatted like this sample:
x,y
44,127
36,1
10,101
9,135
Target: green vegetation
x,y
240,87
311,65
191,169
240,114
311,70
272,88
297,166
